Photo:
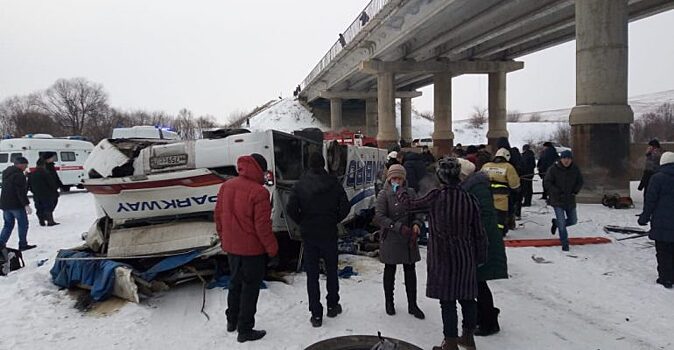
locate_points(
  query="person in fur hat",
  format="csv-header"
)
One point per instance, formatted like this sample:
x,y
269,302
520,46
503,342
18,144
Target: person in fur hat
x,y
457,244
398,240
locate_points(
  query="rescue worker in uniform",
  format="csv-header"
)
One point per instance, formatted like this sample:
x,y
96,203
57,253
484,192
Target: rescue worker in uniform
x,y
504,180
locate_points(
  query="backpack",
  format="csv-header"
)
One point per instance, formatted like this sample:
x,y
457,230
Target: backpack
x,y
617,202
10,260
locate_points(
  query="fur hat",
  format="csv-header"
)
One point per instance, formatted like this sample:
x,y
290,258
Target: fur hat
x,y
467,168
396,170
316,161
260,160
654,143
502,152
448,170
667,158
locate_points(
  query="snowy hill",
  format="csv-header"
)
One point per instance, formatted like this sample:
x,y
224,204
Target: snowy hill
x,y
289,115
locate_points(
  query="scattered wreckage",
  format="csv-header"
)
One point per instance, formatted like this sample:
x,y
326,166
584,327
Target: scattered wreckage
x,y
155,199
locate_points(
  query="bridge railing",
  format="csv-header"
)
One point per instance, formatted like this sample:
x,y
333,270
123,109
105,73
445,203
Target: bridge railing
x,y
372,9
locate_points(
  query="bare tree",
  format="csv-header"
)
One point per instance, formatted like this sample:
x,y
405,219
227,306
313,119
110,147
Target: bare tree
x,y
658,124
562,134
184,125
513,116
535,117
478,119
19,116
73,103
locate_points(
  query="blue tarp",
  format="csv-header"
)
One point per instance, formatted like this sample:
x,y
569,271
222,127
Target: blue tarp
x,y
223,281
100,274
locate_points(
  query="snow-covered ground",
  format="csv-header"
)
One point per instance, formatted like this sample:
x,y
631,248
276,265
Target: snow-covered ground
x,y
594,297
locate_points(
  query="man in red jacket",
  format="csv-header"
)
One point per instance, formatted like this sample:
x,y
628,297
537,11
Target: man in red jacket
x,y
243,221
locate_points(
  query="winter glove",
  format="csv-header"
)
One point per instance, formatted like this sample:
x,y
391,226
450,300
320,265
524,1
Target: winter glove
x,y
273,262
29,210
643,221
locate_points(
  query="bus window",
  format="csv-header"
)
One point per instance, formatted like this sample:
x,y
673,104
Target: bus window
x,y
14,156
42,154
67,156
4,157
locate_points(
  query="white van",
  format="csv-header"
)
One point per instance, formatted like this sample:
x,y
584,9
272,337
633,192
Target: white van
x,y
70,155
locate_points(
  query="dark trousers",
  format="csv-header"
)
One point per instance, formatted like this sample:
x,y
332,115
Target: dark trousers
x,y
314,250
486,313
502,220
410,282
527,190
247,273
664,252
44,207
545,192
450,320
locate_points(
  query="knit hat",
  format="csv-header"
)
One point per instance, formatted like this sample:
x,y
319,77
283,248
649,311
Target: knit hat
x,y
667,158
654,143
566,154
471,149
260,160
316,161
448,170
502,152
392,155
20,160
467,168
396,170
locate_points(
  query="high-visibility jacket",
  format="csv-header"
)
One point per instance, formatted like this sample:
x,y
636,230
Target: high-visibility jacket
x,y
503,178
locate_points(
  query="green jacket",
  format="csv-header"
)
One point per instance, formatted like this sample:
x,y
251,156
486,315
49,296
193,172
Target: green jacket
x,y
496,266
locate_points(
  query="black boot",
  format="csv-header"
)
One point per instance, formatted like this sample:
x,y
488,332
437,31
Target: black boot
x,y
411,289
389,282
489,324
251,335
50,219
41,219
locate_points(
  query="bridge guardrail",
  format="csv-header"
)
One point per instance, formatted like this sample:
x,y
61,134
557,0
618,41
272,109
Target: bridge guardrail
x,y
372,9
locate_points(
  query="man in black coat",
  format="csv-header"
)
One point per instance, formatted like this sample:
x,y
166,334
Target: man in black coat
x,y
14,203
563,181
45,193
658,209
50,158
318,203
528,167
548,157
415,167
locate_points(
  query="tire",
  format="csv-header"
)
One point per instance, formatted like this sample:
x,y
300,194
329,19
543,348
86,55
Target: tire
x,y
357,342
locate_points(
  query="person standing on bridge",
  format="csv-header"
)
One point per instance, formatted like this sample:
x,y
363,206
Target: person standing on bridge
x,y
658,210
398,240
318,203
457,244
242,218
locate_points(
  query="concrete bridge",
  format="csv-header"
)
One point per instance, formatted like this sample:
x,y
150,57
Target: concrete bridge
x,y
397,46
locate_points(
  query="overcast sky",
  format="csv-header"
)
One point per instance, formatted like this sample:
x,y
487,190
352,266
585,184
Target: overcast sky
x,y
217,57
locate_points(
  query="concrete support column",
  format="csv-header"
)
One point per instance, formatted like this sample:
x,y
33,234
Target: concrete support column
x,y
497,127
371,116
443,137
406,119
335,114
601,119
387,132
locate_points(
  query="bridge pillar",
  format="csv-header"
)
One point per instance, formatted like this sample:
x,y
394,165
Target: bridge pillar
x,y
443,137
387,132
371,116
497,108
600,121
335,113
406,119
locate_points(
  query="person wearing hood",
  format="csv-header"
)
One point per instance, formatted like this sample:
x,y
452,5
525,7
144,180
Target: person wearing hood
x,y
14,203
496,266
457,244
416,169
242,218
658,210
398,240
45,193
527,174
318,203
547,158
504,180
563,181
652,164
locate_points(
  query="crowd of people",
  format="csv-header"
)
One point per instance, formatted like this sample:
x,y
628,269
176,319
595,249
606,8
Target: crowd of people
x,y
43,181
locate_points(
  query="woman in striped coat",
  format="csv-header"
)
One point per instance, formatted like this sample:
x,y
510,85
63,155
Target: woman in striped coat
x,y
457,244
